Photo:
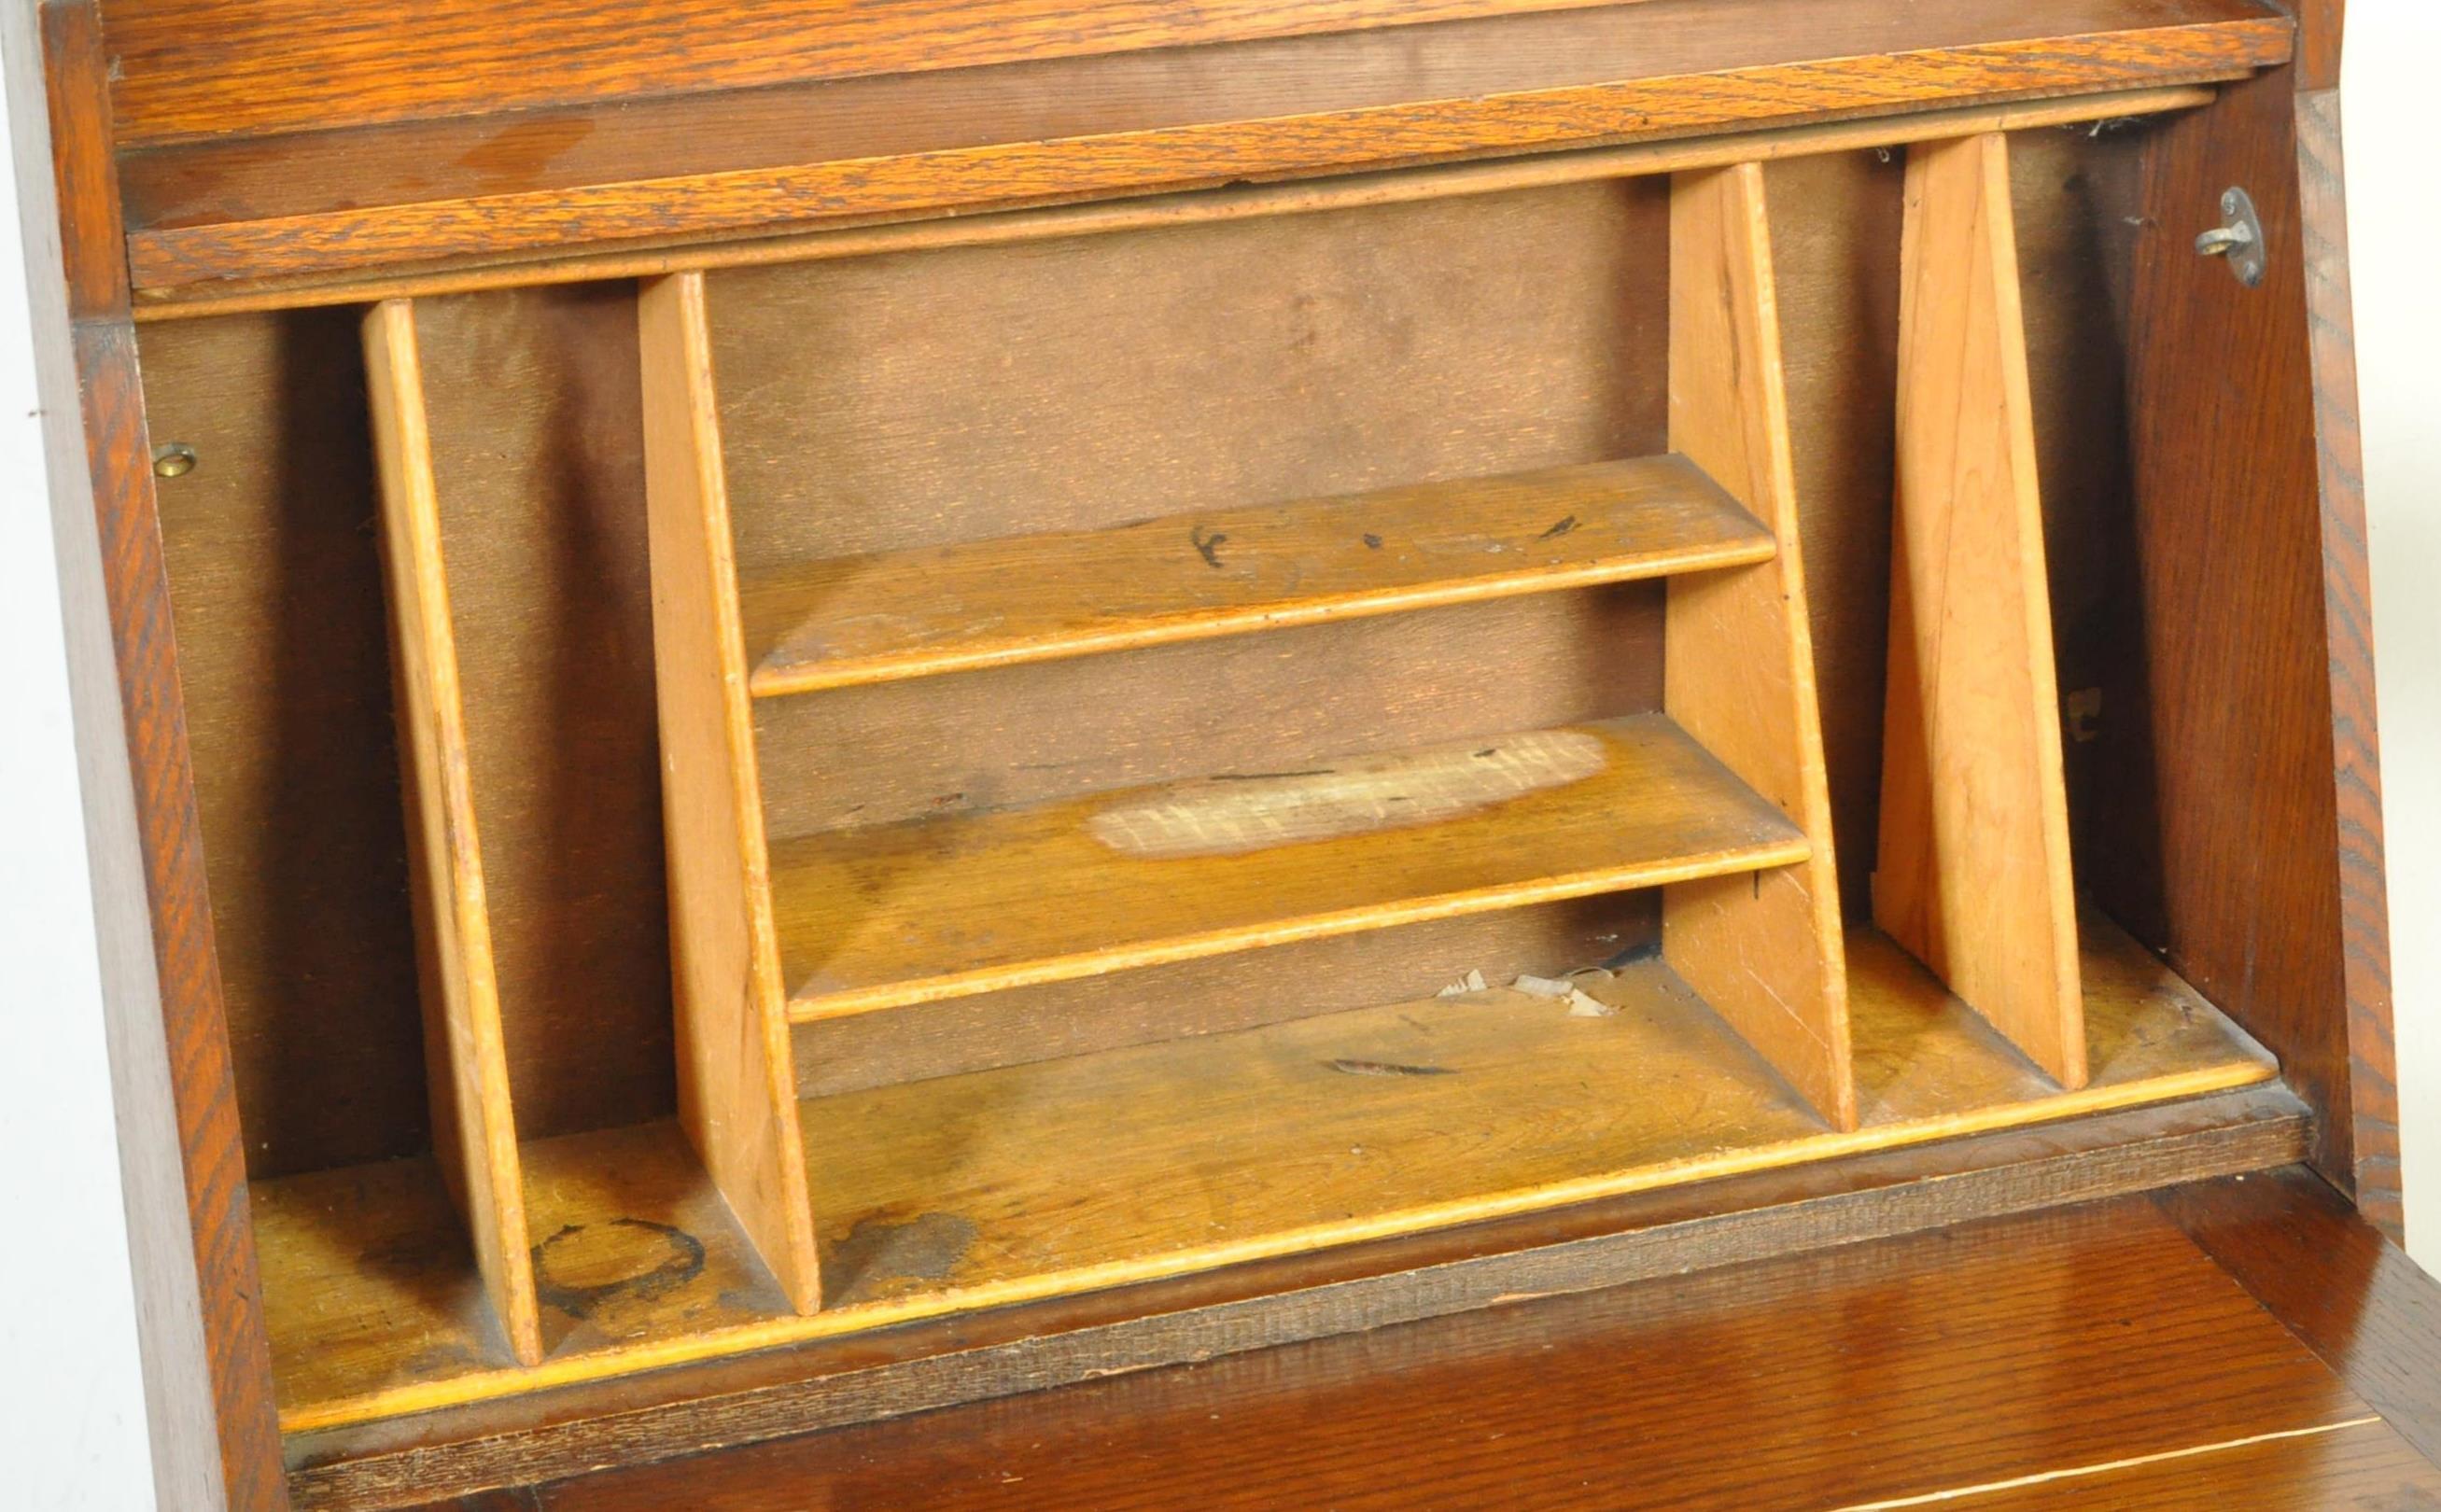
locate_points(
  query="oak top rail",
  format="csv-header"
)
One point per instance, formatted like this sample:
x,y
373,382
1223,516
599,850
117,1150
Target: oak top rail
x,y
709,166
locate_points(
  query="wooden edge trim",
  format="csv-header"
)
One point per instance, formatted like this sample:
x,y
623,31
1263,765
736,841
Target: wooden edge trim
x,y
467,1067
212,1422
403,1461
2347,613
1389,187
740,201
737,1096
1739,654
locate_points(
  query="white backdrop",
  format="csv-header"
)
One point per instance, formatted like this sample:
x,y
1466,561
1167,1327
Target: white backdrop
x,y
72,1433
71,1410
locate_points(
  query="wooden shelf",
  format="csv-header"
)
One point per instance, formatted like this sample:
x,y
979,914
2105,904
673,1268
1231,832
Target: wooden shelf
x,y
1036,598
1025,1182
895,914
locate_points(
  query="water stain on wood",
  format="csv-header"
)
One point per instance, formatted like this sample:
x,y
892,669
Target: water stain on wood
x,y
563,1262
1225,816
880,1251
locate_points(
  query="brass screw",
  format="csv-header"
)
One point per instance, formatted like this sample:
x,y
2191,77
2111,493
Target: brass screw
x,y
173,459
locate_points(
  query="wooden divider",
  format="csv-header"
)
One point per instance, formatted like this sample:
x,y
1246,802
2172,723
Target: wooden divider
x,y
1765,950
474,1135
736,1078
1973,873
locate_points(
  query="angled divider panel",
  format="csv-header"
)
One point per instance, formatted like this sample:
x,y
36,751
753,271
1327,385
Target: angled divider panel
x,y
736,1079
465,1062
1764,949
1973,872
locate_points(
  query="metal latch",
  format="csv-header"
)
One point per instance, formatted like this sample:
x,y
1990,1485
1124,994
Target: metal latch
x,y
2239,238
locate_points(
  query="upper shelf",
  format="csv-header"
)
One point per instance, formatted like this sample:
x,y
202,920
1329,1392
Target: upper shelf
x,y
446,143
901,614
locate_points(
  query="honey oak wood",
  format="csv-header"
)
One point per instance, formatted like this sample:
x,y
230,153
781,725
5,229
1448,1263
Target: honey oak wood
x,y
967,139
891,915
1738,671
251,78
1664,1232
1248,343
467,1075
1394,186
2087,1337
736,1098
1972,873
1034,597
1048,1178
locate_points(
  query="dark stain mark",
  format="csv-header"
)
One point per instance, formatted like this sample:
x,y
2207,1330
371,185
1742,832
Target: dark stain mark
x,y
1559,529
1267,777
1208,545
880,1250
442,1360
1487,750
1372,540
1758,882
683,1264
1385,1068
1634,955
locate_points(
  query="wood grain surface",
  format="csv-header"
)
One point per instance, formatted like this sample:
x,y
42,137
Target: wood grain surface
x,y
967,139
1738,652
1142,211
1056,1178
2347,610
2352,1296
1971,872
736,1096
2089,1340
888,915
2221,766
261,70
467,1074
1034,597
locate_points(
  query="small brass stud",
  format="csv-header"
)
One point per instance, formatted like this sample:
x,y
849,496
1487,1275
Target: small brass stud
x,y
173,459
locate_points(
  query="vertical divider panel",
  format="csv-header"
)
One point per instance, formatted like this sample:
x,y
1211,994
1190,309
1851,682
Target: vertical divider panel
x,y
1973,871
1764,949
474,1133
736,1077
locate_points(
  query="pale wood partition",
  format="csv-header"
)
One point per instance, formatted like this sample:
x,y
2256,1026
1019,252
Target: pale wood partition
x,y
736,1080
467,1068
1973,871
1765,950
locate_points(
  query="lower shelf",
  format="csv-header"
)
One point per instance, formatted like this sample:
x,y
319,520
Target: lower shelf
x,y
1025,1182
